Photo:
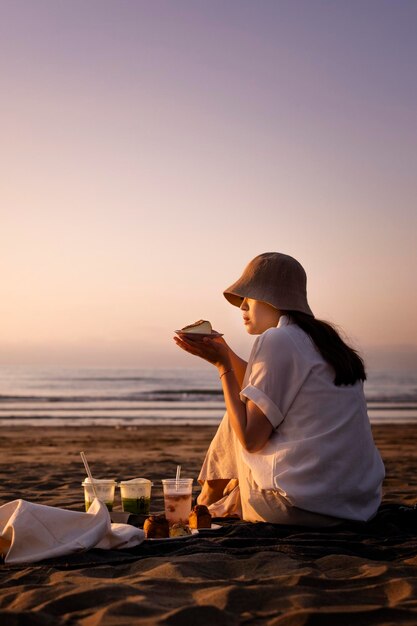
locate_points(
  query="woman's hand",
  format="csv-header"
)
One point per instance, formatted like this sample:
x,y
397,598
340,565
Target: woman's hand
x,y
214,350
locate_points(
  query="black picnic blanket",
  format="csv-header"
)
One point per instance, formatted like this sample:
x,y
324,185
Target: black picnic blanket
x,y
390,536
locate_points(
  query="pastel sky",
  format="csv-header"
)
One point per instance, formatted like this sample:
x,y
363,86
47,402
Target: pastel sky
x,y
149,150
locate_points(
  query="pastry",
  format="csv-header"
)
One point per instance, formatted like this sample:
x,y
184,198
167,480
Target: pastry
x,y
156,527
199,517
202,327
179,530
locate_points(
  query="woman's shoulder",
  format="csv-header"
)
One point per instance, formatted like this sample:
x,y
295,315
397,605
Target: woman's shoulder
x,y
284,334
289,340
274,336
280,340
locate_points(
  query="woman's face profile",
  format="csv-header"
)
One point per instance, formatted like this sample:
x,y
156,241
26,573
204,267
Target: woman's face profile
x,y
258,316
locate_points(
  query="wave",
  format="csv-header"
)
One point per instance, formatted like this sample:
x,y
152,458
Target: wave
x,y
393,398
150,396
171,395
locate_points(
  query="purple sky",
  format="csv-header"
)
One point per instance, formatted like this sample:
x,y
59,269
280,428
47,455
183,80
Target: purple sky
x,y
150,149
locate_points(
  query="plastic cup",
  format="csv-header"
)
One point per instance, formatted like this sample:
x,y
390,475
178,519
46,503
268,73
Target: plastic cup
x,y
104,489
136,495
177,499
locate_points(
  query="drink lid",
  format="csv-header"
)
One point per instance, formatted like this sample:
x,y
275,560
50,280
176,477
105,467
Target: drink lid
x,y
102,481
136,481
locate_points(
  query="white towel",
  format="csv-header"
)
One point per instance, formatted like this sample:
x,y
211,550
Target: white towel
x,y
32,532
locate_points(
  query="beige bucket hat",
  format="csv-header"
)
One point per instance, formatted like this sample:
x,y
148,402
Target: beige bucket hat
x,y
275,278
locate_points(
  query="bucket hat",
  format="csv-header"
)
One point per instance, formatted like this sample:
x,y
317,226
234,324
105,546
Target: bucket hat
x,y
275,278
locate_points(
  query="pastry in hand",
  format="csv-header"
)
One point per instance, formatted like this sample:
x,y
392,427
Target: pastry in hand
x,y
179,530
199,517
202,327
156,527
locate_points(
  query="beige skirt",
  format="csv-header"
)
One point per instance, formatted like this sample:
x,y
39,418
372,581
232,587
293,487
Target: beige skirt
x,y
243,496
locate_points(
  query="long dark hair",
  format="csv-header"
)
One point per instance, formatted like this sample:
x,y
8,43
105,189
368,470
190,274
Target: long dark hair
x,y
346,362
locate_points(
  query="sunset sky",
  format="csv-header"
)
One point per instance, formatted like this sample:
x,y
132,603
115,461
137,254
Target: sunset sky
x,y
150,149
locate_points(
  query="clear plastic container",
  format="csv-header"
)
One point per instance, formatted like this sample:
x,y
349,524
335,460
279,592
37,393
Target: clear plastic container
x,y
177,499
104,489
136,495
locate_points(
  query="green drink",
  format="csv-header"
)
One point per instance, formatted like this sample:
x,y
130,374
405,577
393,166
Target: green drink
x,y
103,489
88,503
137,505
136,495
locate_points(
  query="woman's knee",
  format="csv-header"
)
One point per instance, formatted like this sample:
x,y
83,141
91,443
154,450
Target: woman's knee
x,y
212,490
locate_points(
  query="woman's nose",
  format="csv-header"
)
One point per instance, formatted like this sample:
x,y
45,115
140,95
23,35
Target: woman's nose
x,y
244,305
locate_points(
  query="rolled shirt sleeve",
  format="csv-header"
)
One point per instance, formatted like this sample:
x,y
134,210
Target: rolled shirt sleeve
x,y
267,406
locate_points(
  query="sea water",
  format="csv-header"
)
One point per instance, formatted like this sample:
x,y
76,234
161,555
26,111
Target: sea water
x,y
118,397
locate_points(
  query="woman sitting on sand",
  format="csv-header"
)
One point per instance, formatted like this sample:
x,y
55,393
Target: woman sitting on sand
x,y
295,445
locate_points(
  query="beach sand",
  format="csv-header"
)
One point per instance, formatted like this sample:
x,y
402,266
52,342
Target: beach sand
x,y
292,580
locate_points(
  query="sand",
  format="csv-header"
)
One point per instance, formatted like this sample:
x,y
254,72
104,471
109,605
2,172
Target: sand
x,y
247,574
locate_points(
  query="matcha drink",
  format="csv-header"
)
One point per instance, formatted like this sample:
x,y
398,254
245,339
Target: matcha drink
x,y
136,495
136,505
104,490
88,503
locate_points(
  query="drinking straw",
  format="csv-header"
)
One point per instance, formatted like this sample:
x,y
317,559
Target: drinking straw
x,y
178,476
87,469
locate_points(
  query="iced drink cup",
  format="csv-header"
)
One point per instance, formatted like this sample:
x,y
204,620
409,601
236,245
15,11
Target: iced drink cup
x,y
177,499
136,495
104,489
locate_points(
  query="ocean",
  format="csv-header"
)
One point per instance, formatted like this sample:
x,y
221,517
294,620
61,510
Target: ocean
x,y
58,396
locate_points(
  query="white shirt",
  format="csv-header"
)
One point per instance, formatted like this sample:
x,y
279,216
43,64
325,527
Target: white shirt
x,y
321,456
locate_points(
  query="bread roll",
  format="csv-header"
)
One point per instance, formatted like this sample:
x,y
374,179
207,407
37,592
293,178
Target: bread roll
x,y
156,527
199,517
